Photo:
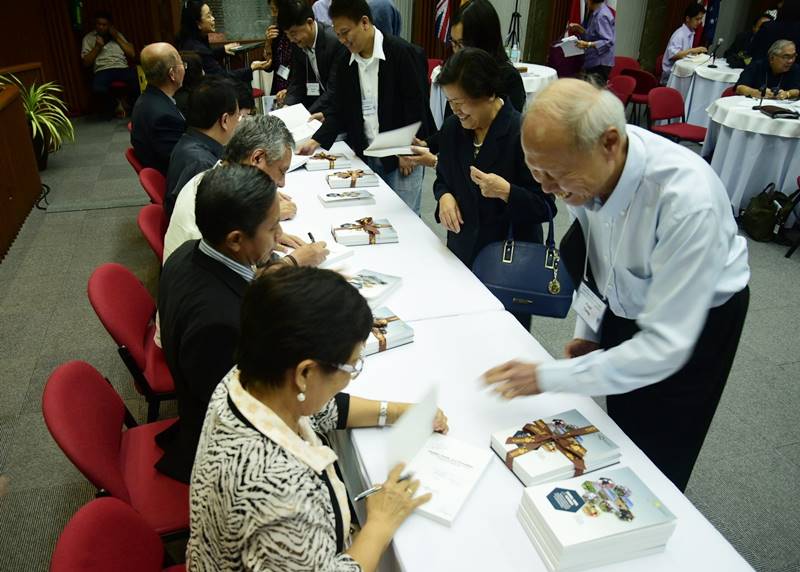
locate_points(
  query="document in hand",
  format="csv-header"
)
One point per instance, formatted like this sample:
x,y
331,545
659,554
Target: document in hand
x,y
569,46
394,142
296,119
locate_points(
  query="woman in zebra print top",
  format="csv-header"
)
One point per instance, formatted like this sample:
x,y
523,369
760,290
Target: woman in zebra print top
x,y
266,493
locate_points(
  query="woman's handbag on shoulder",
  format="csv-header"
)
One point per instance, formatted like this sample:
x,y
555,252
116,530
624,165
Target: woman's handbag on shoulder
x,y
526,277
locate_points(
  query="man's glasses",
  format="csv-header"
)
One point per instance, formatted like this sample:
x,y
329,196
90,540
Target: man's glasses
x,y
788,57
184,65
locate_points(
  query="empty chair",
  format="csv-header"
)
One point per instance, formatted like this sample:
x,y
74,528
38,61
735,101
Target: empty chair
x,y
645,81
86,418
729,91
152,221
623,63
154,184
622,86
126,310
130,155
666,104
107,534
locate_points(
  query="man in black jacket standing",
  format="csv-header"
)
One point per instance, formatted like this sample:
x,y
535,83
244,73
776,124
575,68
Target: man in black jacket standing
x,y
315,58
378,88
157,124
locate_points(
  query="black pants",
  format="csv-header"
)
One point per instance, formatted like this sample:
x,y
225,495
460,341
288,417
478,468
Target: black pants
x,y
669,419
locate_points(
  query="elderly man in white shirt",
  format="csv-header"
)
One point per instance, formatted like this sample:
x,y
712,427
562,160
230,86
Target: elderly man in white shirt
x,y
681,42
662,270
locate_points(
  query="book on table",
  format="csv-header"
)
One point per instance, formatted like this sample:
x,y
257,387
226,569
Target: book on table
x,y
354,178
296,118
365,231
594,520
374,286
556,447
327,161
394,142
333,198
388,331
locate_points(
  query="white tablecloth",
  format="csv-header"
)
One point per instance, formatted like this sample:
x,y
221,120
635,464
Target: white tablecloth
x,y
749,150
534,79
700,85
486,535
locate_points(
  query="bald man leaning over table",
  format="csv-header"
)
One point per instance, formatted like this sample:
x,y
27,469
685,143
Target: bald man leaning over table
x,y
663,274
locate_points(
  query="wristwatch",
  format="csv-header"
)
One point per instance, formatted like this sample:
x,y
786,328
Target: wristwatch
x,y
383,413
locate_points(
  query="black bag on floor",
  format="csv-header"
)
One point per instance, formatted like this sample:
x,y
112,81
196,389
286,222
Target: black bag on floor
x,y
767,212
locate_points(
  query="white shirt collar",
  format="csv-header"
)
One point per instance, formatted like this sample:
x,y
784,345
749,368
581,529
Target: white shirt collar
x,y
377,50
629,181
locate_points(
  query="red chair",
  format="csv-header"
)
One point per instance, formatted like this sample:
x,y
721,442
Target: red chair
x,y
622,86
133,160
126,310
154,184
257,93
729,91
106,534
152,221
85,416
665,104
432,63
623,63
645,81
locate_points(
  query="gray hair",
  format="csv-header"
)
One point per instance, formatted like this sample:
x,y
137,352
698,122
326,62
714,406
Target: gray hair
x,y
258,132
777,47
585,110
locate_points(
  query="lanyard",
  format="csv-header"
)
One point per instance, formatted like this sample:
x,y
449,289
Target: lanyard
x,y
308,57
613,257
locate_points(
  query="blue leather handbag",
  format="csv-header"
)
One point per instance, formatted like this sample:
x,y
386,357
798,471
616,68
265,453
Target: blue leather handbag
x,y
526,277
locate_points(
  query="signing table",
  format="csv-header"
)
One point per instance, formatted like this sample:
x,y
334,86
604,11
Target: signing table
x,y
700,84
534,78
748,149
460,331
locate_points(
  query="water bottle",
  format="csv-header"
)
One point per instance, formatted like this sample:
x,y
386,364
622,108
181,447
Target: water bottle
x,y
515,53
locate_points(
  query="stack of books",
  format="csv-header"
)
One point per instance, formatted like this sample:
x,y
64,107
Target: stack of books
x,y
322,161
354,178
374,286
592,521
560,447
345,198
365,231
388,331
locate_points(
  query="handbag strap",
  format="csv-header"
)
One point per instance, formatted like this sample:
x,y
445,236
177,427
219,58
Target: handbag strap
x,y
550,241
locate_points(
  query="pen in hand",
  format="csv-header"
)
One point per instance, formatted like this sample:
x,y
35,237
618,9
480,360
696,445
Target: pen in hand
x,y
311,236
378,488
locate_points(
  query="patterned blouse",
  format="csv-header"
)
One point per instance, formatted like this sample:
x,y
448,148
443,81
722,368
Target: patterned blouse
x,y
281,56
263,497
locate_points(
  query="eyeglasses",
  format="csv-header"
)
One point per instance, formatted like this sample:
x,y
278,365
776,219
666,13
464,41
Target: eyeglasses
x,y
184,65
788,57
354,370
457,44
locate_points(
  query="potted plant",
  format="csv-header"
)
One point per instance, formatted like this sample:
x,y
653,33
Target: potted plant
x,y
47,115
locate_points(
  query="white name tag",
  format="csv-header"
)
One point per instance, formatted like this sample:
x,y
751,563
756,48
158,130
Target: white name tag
x,y
589,307
312,89
368,107
283,72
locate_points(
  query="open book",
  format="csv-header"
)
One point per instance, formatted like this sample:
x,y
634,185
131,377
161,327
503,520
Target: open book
x,y
296,119
394,142
569,46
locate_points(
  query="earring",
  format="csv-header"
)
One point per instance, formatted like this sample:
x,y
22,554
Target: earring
x,y
301,397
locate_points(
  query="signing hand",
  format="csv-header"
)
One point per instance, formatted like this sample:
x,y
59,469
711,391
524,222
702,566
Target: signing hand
x,y
450,214
308,147
579,347
492,186
782,94
699,50
287,241
440,423
311,254
229,47
280,98
513,379
405,165
388,508
288,207
319,116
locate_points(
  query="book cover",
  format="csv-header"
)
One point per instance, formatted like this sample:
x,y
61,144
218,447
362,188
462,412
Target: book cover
x,y
345,198
388,331
365,231
322,161
352,179
374,286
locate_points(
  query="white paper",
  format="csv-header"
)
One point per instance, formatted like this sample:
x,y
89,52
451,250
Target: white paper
x,y
411,431
394,142
569,46
298,161
296,119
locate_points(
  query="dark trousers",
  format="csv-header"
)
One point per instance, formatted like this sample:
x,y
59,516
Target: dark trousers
x,y
101,85
669,419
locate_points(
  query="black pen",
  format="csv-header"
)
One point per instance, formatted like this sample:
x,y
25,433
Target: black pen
x,y
311,236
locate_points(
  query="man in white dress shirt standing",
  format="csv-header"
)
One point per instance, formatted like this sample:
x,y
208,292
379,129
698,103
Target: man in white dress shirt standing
x,y
681,42
662,271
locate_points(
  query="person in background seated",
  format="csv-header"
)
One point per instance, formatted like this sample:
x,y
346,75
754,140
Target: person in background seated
x,y
739,54
778,76
200,296
156,122
597,38
262,141
378,89
315,58
197,22
194,73
213,115
681,42
107,52
266,492
386,17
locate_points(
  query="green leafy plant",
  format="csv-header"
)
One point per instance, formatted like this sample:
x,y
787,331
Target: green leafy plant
x,y
45,110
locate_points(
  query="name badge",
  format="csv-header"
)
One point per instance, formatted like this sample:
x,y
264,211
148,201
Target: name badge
x,y
312,89
283,72
368,106
589,307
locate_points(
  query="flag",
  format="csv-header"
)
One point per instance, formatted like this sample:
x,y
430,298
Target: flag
x,y
710,24
698,33
442,20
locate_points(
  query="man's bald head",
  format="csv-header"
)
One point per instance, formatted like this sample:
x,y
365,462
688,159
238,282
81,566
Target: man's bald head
x,y
158,60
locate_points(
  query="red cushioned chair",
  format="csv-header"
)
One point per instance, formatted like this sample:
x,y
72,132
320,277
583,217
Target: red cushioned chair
x,y
106,534
665,104
133,160
152,221
126,310
622,86
729,91
645,81
432,63
86,417
154,184
623,63
257,93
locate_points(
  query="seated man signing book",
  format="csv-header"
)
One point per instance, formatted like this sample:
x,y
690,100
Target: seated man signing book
x,y
776,78
378,89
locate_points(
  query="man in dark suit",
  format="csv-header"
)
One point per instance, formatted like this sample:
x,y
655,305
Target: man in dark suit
x,y
157,124
200,294
315,58
378,88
